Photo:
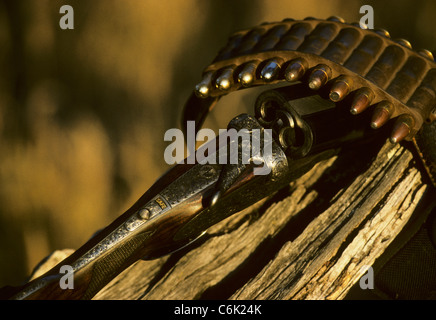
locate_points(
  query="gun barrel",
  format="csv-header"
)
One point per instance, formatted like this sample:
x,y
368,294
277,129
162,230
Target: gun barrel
x,y
173,213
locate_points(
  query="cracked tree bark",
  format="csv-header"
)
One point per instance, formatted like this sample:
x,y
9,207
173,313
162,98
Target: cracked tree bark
x,y
313,240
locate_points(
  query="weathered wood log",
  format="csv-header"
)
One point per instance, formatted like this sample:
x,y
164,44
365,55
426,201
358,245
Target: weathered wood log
x,y
313,240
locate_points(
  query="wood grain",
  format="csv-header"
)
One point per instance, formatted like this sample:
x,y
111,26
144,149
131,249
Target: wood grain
x,y
312,240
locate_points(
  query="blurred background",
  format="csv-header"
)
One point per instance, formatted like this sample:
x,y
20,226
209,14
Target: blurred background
x,y
83,112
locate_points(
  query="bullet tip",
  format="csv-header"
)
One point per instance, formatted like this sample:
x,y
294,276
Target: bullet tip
x,y
334,96
290,76
267,76
224,84
202,91
315,84
246,79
